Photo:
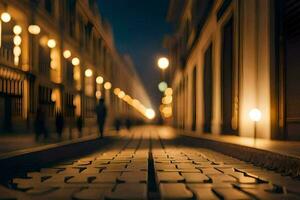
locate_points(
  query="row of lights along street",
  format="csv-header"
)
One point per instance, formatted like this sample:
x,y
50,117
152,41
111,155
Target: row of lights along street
x,y
67,54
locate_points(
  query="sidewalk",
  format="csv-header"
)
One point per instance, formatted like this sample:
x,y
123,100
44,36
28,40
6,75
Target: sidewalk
x,y
283,156
11,141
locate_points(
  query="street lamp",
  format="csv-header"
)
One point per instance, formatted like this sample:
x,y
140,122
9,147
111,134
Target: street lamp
x,y
162,86
163,63
255,116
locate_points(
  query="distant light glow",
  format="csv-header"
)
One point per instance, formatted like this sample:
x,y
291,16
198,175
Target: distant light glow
x,y
162,86
75,61
98,94
168,92
99,80
17,51
255,114
17,29
116,91
88,73
150,114
67,54
121,94
34,29
17,40
51,43
107,85
5,17
163,63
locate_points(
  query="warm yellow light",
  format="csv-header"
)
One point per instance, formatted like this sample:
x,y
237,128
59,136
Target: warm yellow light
x,y
255,115
167,100
121,94
75,61
163,63
107,85
76,75
53,96
99,80
162,86
17,40
98,94
5,17
168,92
34,29
51,43
88,73
17,29
116,91
67,54
17,51
126,98
150,114
52,64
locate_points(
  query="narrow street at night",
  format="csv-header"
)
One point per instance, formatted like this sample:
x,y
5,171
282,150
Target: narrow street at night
x,y
151,163
149,99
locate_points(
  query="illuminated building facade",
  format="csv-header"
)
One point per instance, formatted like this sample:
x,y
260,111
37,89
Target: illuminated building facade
x,y
60,55
228,57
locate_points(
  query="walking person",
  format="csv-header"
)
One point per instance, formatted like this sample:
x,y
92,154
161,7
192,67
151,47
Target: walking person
x,y
59,122
39,123
101,112
79,124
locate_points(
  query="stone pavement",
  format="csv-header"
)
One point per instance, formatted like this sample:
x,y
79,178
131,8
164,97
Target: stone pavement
x,y
151,164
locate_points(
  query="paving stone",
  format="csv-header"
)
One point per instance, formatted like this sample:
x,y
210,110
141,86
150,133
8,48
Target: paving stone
x,y
79,178
216,178
185,166
160,166
91,193
195,177
40,190
129,191
134,177
204,193
91,170
169,177
210,171
231,193
57,178
27,183
59,194
174,191
106,177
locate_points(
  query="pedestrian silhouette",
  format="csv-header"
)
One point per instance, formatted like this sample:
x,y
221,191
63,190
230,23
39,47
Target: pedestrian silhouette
x,y
128,123
59,122
79,124
39,124
101,112
117,124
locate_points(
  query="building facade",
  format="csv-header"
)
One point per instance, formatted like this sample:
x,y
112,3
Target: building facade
x,y
59,55
231,56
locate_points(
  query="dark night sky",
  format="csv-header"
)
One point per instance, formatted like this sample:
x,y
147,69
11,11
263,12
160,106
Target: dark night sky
x,y
139,27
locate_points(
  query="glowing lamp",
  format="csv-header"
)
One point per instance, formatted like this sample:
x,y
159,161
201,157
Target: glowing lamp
x,y
168,92
99,80
51,43
98,94
163,63
34,29
121,94
17,29
67,54
17,40
116,91
88,73
149,113
75,61
17,51
162,86
107,85
53,96
255,115
5,17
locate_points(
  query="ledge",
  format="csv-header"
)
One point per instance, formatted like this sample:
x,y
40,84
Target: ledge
x,y
282,156
36,157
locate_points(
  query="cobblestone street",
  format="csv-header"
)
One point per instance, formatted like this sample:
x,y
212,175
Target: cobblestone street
x,y
150,164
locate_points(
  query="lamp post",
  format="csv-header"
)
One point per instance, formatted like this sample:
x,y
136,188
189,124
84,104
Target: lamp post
x,y
255,116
